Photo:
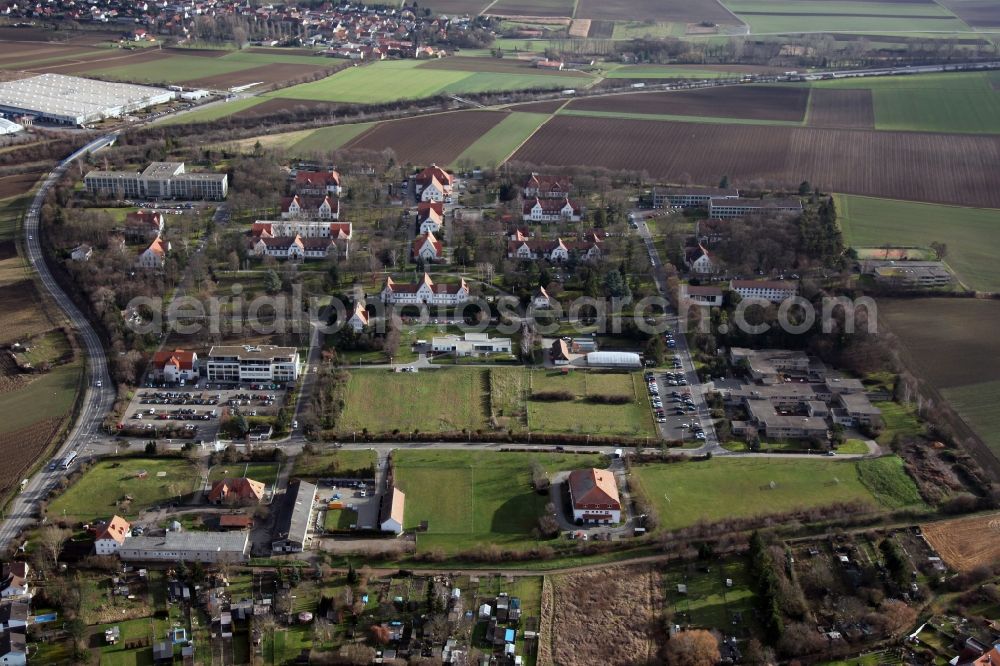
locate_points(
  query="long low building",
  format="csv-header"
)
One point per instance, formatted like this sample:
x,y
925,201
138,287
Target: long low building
x,y
250,363
207,547
159,180
471,344
74,100
726,208
291,530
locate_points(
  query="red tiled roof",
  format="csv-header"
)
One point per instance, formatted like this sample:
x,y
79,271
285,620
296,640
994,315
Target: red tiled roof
x,y
434,172
184,360
590,487
422,239
144,218
317,178
549,183
116,529
242,489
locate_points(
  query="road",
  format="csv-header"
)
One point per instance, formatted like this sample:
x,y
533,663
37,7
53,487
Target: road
x,y
96,401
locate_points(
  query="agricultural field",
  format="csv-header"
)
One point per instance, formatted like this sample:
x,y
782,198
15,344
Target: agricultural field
x,y
966,543
846,109
791,16
748,102
546,8
471,498
214,111
938,168
971,234
686,493
977,13
439,138
104,489
633,419
666,11
653,72
497,66
964,103
448,399
500,141
391,80
952,344
604,616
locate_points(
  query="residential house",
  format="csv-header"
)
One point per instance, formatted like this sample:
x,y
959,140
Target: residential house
x,y
14,616
302,207
317,183
726,208
81,253
14,648
470,344
425,291
359,318
555,251
239,490
291,530
143,226
176,365
703,296
306,228
14,581
699,261
295,248
764,416
594,496
541,300
155,255
252,363
547,187
434,184
559,353
391,511
859,409
111,537
767,290
427,248
687,197
430,217
551,210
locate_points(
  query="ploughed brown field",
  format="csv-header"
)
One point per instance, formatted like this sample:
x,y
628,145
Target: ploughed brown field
x,y
851,109
21,449
529,8
939,168
438,138
601,29
75,37
17,184
266,74
977,13
505,66
674,11
966,543
751,102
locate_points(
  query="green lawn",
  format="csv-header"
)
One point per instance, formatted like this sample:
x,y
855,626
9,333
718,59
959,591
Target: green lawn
x,y
689,492
332,462
101,491
977,403
857,446
340,519
476,497
448,399
963,102
49,396
265,472
502,140
971,234
708,601
899,420
888,481
131,630
579,416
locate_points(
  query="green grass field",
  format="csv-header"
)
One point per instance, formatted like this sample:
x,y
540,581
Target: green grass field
x,y
799,16
475,497
330,463
502,140
100,492
685,493
328,138
214,111
172,69
49,396
432,400
977,404
578,416
340,519
963,102
665,72
265,472
971,234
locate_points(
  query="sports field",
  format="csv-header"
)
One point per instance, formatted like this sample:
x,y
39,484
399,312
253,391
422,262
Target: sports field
x,y
102,491
476,497
971,234
391,80
964,102
689,492
497,144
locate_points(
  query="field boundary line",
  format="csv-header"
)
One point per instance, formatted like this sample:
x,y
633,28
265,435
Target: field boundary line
x,y
526,139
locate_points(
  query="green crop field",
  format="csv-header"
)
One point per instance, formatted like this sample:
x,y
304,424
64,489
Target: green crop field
x,y
502,140
971,234
101,492
632,419
328,138
448,399
172,69
475,497
685,493
214,111
889,17
977,404
964,102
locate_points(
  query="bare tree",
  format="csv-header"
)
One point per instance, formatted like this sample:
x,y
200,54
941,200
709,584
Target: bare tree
x,y
53,539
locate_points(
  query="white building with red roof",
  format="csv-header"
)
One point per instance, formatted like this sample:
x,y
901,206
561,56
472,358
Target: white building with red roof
x,y
425,291
317,183
434,183
359,319
427,247
594,495
155,255
310,208
173,366
111,536
555,251
547,187
699,261
551,210
430,217
296,248
143,225
339,232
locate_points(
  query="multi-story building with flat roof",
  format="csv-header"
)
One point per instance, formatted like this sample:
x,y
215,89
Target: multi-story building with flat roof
x,y
686,197
726,208
160,180
250,363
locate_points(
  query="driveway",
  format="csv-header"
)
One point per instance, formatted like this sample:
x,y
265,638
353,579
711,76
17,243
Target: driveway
x,y
623,529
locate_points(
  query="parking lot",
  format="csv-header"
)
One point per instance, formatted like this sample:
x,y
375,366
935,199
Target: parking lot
x,y
357,495
673,405
197,409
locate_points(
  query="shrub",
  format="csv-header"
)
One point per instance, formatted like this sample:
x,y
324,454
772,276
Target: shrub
x,y
552,396
609,399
